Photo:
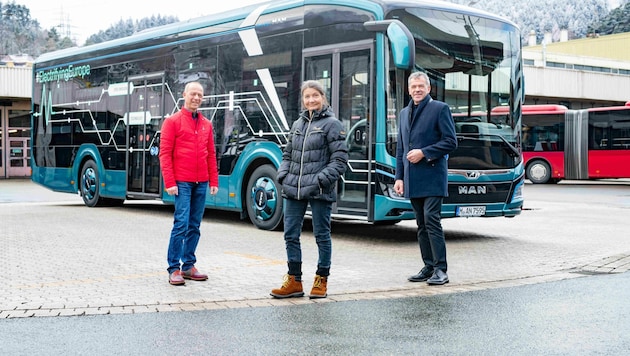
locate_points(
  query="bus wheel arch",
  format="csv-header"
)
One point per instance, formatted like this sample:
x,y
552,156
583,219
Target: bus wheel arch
x,y
89,183
263,198
538,171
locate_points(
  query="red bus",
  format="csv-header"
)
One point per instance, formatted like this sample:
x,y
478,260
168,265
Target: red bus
x,y
559,143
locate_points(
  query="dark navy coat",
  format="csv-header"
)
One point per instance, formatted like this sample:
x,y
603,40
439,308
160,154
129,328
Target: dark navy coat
x,y
432,130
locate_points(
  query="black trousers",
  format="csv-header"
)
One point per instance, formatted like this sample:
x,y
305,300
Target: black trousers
x,y
430,234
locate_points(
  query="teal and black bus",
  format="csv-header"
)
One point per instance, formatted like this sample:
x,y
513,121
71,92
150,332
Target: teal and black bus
x,y
97,110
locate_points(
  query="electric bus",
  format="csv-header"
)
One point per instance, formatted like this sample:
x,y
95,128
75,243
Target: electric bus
x,y
97,110
559,143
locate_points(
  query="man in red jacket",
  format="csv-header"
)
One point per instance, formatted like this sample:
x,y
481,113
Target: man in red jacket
x,y
189,166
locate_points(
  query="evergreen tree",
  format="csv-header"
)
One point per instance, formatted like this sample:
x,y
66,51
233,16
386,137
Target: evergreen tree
x,y
544,16
617,21
124,28
17,30
19,34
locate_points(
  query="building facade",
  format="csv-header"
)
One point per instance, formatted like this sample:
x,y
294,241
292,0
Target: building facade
x,y
16,77
580,74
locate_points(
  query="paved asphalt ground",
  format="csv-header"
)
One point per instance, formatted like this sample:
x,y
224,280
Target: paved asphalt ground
x,y
579,316
517,287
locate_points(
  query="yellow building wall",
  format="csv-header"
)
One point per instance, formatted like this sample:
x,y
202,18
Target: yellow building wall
x,y
615,47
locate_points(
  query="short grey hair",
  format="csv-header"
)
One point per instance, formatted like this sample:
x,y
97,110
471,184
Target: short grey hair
x,y
191,84
418,75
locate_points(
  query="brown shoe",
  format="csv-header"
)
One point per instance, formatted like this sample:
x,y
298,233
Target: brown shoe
x,y
290,288
194,274
176,278
319,287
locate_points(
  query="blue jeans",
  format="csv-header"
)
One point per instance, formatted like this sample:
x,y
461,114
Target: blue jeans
x,y
190,204
294,211
430,234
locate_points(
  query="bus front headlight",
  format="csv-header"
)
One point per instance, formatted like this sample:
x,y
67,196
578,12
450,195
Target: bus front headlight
x,y
518,192
388,191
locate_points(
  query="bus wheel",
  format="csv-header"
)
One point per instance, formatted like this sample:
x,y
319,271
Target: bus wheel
x,y
539,172
90,184
263,198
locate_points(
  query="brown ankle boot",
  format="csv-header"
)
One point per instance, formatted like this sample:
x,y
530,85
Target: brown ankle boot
x,y
290,288
319,287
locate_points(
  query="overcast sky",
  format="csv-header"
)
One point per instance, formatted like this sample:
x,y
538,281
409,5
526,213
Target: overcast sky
x,y
83,18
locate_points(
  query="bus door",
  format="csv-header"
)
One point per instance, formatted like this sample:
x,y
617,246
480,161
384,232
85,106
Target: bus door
x,y
144,116
346,73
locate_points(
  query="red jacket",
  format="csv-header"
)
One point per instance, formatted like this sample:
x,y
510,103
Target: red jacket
x,y
187,152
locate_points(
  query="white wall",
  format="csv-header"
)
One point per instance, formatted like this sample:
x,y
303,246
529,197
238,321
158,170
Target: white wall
x,y
576,84
16,82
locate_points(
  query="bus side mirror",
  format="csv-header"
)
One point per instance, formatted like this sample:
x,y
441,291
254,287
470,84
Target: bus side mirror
x,y
400,40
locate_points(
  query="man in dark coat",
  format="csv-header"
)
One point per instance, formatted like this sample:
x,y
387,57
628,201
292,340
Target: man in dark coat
x,y
426,135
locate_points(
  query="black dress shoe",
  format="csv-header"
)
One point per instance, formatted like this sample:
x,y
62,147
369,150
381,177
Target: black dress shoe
x,y
422,276
438,278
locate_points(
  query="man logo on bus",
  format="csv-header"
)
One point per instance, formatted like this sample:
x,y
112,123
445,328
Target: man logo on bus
x,y
472,189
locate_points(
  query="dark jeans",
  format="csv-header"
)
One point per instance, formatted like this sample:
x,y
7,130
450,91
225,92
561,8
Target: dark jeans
x,y
430,235
294,211
190,204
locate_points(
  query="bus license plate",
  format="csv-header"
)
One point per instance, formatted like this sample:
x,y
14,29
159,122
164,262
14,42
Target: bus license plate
x,y
471,211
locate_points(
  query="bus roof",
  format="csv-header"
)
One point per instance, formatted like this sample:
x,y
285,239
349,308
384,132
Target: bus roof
x,y
158,32
605,108
533,109
544,109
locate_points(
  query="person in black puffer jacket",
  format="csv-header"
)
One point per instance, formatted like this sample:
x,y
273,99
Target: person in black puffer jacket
x,y
312,162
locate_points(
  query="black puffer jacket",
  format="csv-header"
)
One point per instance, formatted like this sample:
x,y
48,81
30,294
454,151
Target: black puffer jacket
x,y
314,158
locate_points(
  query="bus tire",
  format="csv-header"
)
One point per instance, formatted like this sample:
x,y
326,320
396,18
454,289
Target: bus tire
x,y
89,184
539,172
263,198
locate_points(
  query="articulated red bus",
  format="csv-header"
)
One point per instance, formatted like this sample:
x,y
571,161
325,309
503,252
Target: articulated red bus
x,y
559,143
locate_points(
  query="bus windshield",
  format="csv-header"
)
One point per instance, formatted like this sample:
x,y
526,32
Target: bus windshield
x,y
470,61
